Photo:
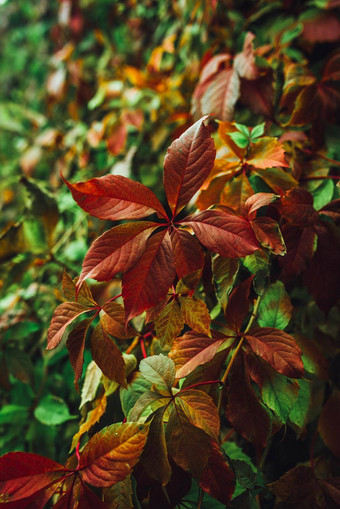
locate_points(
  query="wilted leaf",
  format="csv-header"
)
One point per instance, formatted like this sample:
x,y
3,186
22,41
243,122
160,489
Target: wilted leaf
x,y
92,416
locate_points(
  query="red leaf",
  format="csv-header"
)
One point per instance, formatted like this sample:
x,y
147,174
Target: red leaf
x,y
300,246
115,197
278,348
111,453
116,251
217,479
107,356
62,317
187,164
223,233
113,321
257,201
221,95
267,153
89,500
323,28
258,94
117,139
75,345
25,474
268,234
238,305
297,207
148,281
188,254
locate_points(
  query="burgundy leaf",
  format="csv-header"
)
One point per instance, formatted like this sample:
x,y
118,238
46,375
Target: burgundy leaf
x,y
75,345
267,232
257,201
217,479
62,317
148,281
115,197
278,348
187,164
188,254
238,305
116,251
107,356
223,233
300,247
297,207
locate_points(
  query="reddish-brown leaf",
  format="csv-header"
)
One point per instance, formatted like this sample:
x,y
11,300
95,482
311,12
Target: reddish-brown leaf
x,y
300,247
238,305
236,193
116,251
278,348
267,153
169,322
258,94
268,233
113,321
187,164
329,423
62,317
221,95
201,411
188,254
322,28
195,314
84,295
111,453
297,486
25,474
223,233
217,479
257,201
148,281
244,62
117,139
107,356
297,207
75,345
115,197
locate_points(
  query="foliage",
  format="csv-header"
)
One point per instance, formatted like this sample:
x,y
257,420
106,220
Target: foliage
x,y
202,327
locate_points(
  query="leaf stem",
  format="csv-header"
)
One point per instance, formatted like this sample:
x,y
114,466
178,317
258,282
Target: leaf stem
x,y
142,345
199,384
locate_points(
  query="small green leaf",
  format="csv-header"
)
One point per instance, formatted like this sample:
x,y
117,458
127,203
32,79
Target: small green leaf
x,y
292,33
52,411
243,129
257,132
240,140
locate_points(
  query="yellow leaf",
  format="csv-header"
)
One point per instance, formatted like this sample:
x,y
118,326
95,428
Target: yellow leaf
x,y
196,314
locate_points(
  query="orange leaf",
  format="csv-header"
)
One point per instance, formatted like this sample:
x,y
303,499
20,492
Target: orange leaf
x,y
196,314
267,153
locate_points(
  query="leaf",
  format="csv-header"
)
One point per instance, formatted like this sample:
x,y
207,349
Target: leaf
x,y
221,95
188,254
223,233
169,322
91,382
151,399
107,356
276,178
275,309
92,417
300,247
244,62
299,413
135,389
148,281
62,317
201,411
117,250
236,192
256,201
329,422
119,496
110,454
268,234
297,207
25,474
187,164
258,94
277,348
12,414
117,138
238,305
195,314
52,411
224,271
296,486
155,456
193,350
279,394
244,411
217,479
159,370
113,321
84,295
189,446
267,153
75,345
115,197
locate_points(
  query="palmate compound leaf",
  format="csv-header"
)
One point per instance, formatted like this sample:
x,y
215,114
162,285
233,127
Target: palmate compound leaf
x,y
25,474
115,197
187,164
159,370
117,250
62,317
278,348
223,233
111,453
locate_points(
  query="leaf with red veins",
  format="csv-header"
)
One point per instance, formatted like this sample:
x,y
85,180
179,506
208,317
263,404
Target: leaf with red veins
x,y
113,321
267,232
188,254
107,356
148,281
193,350
267,153
24,474
115,197
116,251
223,233
75,345
300,244
217,479
62,317
187,164
255,202
110,454
244,62
238,304
278,348
221,95
297,207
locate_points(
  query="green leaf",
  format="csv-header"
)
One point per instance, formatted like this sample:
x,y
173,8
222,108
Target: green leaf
x,y
52,411
292,33
159,370
299,413
275,308
134,390
240,139
10,414
257,132
243,129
